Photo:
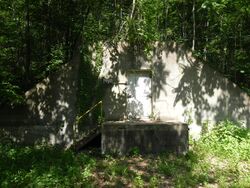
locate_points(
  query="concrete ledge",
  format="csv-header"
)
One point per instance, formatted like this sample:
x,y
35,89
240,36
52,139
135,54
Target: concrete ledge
x,y
147,137
32,135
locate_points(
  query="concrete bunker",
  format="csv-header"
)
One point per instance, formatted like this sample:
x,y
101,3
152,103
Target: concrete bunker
x,y
166,85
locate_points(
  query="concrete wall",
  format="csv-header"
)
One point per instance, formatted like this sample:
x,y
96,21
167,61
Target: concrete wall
x,y
183,89
50,110
151,137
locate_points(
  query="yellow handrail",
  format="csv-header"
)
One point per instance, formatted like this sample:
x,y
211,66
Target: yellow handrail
x,y
80,117
88,111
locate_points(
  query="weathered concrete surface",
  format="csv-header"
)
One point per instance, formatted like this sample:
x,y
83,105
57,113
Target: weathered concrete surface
x,y
146,137
30,135
183,89
50,110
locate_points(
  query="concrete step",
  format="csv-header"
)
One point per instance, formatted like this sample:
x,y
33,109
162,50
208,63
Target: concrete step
x,y
83,140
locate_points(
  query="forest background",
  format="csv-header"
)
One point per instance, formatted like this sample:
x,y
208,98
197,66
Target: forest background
x,y
38,36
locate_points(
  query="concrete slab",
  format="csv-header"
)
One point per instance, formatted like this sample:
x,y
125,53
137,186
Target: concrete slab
x,y
153,137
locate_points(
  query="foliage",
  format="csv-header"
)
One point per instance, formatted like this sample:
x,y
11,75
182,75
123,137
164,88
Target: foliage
x,y
57,55
219,159
90,87
10,93
228,140
43,167
36,37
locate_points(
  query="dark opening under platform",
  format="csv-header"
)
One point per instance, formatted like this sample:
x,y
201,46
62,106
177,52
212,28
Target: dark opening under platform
x,y
148,137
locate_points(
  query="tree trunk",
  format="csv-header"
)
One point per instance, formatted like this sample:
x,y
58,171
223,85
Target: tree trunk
x,y
194,26
28,48
133,9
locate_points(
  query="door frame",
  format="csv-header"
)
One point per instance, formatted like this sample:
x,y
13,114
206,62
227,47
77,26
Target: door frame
x,y
147,72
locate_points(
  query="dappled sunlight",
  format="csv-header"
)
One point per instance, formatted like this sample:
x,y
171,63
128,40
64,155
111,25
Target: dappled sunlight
x,y
50,111
120,62
219,159
214,98
183,88
132,171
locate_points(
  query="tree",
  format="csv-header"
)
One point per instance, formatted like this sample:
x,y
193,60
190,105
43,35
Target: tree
x,y
36,37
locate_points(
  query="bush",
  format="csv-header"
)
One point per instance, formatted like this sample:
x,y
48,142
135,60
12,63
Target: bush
x,y
228,139
220,158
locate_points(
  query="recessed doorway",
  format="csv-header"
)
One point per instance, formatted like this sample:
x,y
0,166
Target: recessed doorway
x,y
139,96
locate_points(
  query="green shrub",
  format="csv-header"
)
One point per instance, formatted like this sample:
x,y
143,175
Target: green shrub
x,y
228,140
221,158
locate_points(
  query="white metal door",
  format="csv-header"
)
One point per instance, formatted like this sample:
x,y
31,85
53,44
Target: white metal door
x,y
139,105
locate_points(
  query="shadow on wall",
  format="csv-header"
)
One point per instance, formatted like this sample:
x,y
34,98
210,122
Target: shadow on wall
x,y
214,97
50,110
118,62
180,85
164,55
118,59
194,86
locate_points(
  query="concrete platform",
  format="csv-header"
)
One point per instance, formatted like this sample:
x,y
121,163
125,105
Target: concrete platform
x,y
147,137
